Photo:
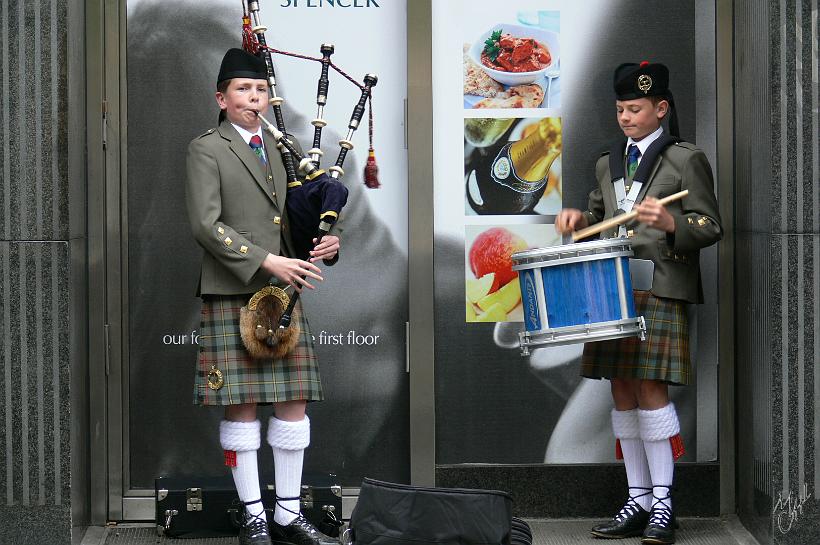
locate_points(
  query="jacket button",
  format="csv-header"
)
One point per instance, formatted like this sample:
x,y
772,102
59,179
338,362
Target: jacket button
x,y
277,220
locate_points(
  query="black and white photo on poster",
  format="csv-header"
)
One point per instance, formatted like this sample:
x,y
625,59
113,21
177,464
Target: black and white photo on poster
x,y
357,314
492,405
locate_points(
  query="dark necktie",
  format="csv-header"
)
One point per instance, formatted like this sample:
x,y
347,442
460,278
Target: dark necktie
x,y
632,156
256,146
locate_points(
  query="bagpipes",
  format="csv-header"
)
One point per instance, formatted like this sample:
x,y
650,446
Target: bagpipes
x,y
313,207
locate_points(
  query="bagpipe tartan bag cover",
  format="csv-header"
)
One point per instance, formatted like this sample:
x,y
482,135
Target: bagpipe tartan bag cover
x,y
395,514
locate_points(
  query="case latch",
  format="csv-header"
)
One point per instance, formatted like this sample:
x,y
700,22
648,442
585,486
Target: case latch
x,y
193,499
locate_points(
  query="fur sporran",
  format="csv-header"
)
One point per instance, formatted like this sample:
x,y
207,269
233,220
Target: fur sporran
x,y
259,324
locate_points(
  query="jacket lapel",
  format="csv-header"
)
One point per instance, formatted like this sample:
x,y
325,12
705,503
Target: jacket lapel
x,y
646,185
245,154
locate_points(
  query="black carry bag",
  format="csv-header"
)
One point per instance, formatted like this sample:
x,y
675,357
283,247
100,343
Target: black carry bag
x,y
520,532
395,514
209,506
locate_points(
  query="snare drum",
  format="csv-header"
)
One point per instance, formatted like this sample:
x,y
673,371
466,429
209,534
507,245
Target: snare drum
x,y
577,293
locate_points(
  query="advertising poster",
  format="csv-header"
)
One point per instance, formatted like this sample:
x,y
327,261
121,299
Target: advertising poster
x,y
357,315
532,109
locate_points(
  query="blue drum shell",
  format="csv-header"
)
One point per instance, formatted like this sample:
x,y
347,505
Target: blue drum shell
x,y
579,293
586,292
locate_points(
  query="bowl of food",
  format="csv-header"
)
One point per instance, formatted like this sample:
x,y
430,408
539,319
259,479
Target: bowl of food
x,y
514,54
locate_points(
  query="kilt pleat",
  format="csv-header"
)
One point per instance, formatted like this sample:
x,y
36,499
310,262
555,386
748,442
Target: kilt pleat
x,y
663,356
248,380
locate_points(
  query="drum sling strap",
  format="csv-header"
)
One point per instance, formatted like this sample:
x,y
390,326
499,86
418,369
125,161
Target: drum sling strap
x,y
641,270
618,172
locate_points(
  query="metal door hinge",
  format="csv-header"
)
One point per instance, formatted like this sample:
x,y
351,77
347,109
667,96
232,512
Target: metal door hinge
x,y
104,108
107,340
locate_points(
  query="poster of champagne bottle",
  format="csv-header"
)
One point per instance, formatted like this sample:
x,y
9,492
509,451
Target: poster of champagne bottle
x,y
512,166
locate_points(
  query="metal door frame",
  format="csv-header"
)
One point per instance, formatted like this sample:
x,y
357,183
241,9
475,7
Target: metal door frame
x,y
108,272
107,252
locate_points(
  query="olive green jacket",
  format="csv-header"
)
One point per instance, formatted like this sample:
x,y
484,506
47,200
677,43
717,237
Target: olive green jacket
x,y
697,220
236,207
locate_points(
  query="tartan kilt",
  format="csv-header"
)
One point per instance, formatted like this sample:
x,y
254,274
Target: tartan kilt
x,y
248,380
663,356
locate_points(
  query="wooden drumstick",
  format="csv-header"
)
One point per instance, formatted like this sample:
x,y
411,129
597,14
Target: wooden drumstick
x,y
623,218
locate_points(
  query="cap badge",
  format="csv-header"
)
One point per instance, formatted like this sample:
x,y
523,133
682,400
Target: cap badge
x,y
644,83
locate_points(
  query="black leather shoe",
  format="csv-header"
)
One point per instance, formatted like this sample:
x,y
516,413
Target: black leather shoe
x,y
300,532
629,522
254,531
660,530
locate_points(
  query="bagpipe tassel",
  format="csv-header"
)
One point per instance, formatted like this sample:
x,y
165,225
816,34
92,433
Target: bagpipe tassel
x,y
619,454
371,171
249,41
230,458
677,446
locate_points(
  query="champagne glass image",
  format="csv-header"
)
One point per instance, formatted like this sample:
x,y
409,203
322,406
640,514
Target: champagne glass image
x,y
513,179
482,132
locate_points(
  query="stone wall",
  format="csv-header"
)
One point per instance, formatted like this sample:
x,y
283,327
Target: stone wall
x,y
777,267
35,337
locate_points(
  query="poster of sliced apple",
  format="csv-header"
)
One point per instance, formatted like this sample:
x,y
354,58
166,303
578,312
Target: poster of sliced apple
x,y
492,292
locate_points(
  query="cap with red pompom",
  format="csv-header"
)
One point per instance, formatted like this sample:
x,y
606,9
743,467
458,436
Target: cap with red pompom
x,y
632,81
641,80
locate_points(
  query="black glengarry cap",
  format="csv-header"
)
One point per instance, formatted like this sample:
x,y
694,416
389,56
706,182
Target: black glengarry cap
x,y
633,81
238,63
641,80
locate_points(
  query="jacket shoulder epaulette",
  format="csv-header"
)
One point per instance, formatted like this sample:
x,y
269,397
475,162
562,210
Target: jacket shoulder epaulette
x,y
206,133
687,145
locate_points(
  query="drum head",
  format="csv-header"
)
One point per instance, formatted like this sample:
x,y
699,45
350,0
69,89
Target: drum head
x,y
571,253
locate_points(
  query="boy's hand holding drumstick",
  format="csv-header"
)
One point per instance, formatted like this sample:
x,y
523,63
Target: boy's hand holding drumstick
x,y
650,211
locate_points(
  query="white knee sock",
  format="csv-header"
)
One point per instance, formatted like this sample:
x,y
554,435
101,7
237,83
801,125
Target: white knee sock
x,y
657,427
627,430
243,439
289,441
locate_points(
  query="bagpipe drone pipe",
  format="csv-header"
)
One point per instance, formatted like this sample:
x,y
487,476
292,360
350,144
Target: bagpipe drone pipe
x,y
313,206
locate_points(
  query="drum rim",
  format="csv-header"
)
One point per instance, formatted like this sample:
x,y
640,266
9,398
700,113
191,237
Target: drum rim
x,y
572,253
634,326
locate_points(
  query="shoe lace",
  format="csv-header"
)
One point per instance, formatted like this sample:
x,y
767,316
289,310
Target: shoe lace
x,y
661,514
632,507
280,499
255,525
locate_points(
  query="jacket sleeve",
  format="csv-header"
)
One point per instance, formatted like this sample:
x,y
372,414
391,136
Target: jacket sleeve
x,y
203,200
698,224
595,208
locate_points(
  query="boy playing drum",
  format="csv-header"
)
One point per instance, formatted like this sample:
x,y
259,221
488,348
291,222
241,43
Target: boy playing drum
x,y
646,166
